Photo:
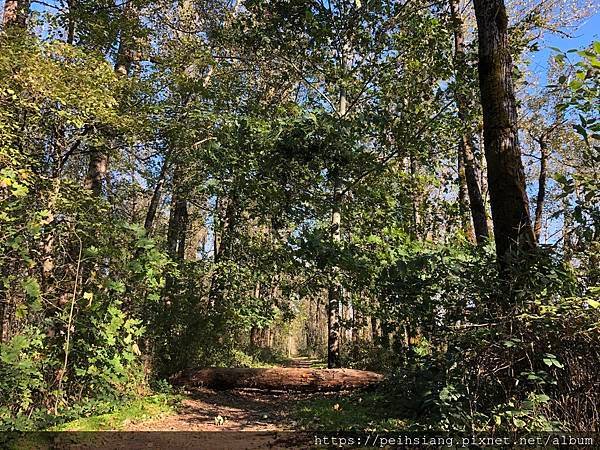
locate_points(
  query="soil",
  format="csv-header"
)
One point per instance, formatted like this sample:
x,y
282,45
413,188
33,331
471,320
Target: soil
x,y
232,410
232,419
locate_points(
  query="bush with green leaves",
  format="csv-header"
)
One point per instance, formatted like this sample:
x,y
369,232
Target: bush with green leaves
x,y
529,369
75,275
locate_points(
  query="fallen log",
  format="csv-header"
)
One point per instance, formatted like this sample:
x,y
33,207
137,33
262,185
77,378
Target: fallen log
x,y
280,378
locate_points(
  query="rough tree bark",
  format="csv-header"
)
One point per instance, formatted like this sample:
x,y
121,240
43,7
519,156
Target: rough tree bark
x,y
506,179
374,330
98,165
541,194
178,219
466,154
463,195
155,200
298,379
335,289
15,13
96,174
476,203
70,37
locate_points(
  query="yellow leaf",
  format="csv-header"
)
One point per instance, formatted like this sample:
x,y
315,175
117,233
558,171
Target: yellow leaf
x,y
593,303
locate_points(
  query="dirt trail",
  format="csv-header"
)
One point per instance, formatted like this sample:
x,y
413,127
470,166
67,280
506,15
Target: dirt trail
x,y
229,414
233,410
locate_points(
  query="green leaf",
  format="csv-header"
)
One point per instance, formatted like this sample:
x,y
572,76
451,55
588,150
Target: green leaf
x,y
21,311
575,84
593,303
558,364
117,286
518,422
32,288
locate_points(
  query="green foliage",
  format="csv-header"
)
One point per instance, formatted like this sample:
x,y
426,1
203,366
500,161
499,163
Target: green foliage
x,y
70,269
582,86
231,139
365,411
149,407
520,371
21,378
579,85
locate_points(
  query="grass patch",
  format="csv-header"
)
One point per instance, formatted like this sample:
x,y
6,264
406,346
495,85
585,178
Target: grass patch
x,y
150,407
265,358
318,364
356,412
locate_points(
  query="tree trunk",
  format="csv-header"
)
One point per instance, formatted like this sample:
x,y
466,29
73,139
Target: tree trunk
x,y
416,195
298,379
541,195
506,179
15,13
374,330
566,230
335,289
197,234
463,194
475,202
229,225
356,326
178,219
98,166
255,337
96,173
384,339
70,38
155,200
224,242
127,51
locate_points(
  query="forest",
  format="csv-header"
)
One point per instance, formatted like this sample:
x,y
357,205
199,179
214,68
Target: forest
x,y
402,191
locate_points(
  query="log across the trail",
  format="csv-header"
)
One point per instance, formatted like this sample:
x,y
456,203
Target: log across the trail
x,y
279,378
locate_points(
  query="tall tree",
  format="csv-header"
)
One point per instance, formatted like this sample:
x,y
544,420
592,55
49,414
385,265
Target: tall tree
x,y
506,178
541,194
15,13
98,163
466,158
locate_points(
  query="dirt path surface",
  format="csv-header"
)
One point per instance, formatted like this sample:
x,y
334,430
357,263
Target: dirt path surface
x,y
233,410
232,419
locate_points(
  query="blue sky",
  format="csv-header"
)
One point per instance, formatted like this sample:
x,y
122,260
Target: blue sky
x,y
583,36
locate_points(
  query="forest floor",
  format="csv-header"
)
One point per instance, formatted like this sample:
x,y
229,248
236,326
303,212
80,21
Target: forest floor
x,y
234,410
222,419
